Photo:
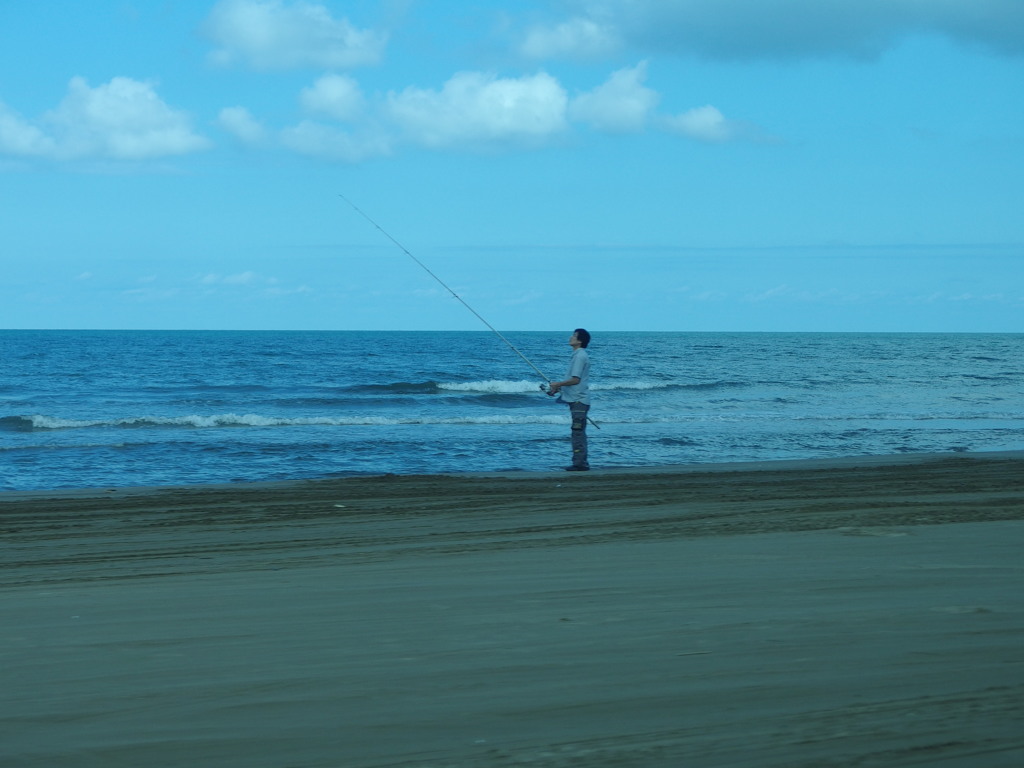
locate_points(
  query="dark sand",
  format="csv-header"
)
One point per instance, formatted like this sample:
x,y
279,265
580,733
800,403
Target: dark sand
x,y
842,613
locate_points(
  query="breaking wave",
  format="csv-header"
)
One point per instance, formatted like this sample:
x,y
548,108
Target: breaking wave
x,y
494,387
194,421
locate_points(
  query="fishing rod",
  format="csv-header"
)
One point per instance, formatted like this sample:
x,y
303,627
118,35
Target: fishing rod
x,y
456,296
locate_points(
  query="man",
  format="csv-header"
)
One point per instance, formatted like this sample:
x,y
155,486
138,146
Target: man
x,y
575,392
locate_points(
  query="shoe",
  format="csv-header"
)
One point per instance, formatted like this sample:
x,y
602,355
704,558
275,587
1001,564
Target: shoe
x,y
574,468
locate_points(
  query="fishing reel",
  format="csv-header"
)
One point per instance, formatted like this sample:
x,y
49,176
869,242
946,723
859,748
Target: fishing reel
x,y
546,389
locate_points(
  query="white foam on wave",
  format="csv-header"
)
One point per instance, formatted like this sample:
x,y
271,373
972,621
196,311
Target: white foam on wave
x,y
196,421
492,387
638,384
51,422
500,387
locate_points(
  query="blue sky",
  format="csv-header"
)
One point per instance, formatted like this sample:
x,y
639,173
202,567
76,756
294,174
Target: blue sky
x,y
709,165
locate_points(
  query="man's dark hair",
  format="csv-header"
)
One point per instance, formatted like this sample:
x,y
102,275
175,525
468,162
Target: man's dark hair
x,y
583,335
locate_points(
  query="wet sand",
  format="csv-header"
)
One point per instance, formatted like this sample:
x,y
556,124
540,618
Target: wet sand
x,y
865,612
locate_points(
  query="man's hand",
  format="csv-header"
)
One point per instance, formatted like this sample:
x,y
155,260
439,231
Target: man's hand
x,y
554,386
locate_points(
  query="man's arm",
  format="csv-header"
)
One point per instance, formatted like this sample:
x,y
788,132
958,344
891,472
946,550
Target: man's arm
x,y
554,386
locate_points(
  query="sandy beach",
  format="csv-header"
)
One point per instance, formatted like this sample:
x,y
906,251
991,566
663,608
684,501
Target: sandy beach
x,y
862,612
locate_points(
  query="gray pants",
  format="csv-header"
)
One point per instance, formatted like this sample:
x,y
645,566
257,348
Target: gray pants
x,y
578,411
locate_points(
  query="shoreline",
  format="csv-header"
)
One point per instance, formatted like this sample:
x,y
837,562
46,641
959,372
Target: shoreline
x,y
866,460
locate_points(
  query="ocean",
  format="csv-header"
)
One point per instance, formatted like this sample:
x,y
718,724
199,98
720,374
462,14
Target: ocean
x,y
84,409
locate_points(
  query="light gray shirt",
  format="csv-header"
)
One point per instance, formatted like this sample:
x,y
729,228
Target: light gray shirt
x,y
579,366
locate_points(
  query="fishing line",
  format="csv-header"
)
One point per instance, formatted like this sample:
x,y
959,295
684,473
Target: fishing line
x,y
462,301
446,287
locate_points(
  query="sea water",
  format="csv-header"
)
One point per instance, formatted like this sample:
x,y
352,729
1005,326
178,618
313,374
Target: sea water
x,y
121,408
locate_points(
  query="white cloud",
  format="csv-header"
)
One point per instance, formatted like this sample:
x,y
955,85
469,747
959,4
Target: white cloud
x,y
620,105
704,124
240,278
472,111
482,110
19,137
476,111
214,284
334,96
779,29
331,143
579,38
240,123
778,292
272,34
121,120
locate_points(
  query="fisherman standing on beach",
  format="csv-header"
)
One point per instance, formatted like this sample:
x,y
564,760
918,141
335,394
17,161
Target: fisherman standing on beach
x,y
574,391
